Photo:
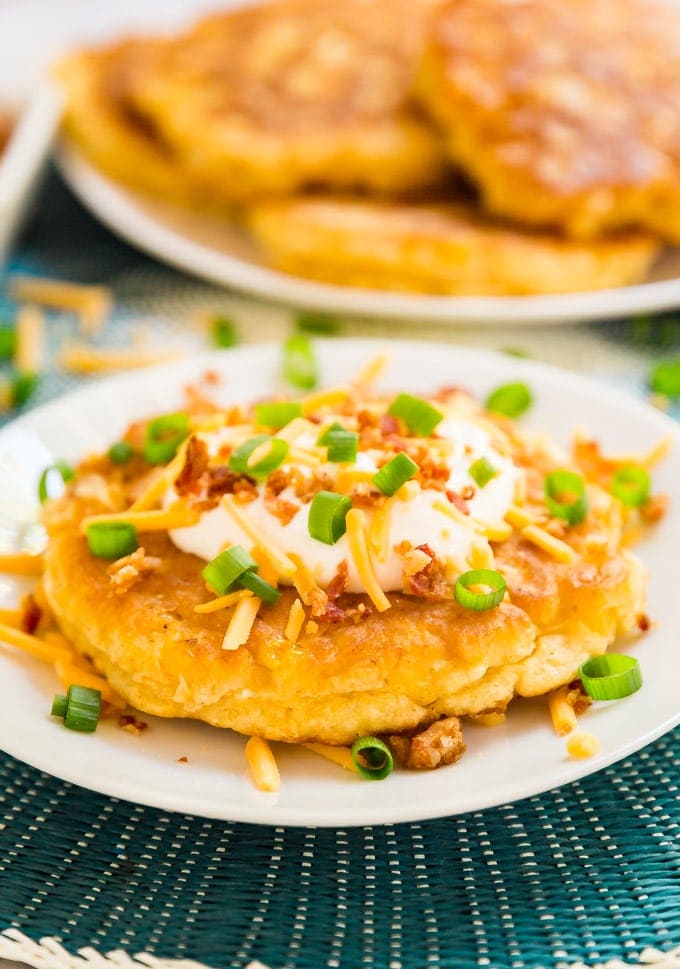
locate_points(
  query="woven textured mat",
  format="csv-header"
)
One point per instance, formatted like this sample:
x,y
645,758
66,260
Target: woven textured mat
x,y
585,874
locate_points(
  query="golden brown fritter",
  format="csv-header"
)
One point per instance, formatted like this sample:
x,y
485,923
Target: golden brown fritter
x,y
389,672
564,113
270,98
438,248
112,132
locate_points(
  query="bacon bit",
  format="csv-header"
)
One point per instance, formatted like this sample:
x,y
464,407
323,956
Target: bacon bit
x,y
654,509
183,760
223,481
415,560
127,571
467,492
437,745
430,582
198,403
333,613
338,583
284,510
95,487
458,501
365,495
389,425
644,623
132,724
31,614
359,612
212,377
188,481
577,698
307,487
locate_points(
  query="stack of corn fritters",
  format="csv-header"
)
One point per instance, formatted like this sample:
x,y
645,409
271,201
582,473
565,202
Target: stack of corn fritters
x,y
465,147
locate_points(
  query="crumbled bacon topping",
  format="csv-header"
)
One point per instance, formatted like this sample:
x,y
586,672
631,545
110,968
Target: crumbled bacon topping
x,y
188,481
127,571
365,495
31,614
577,698
458,501
132,725
430,582
654,509
435,746
280,508
644,623
336,587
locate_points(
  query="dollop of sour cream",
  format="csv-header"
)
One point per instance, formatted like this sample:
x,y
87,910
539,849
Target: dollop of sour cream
x,y
420,519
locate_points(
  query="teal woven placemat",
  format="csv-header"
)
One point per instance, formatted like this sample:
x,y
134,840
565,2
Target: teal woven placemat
x,y
587,873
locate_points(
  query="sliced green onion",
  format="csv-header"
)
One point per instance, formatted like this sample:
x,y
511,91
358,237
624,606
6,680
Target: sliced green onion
x,y
510,400
325,437
466,596
299,362
665,378
565,496
310,322
482,471
395,473
278,413
263,590
24,386
163,437
64,470
227,568
223,332
59,705
241,462
631,485
327,514
8,342
121,452
83,706
111,540
420,417
342,446
610,676
372,758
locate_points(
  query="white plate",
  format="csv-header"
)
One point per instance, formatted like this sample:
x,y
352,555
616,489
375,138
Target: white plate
x,y
221,253
503,764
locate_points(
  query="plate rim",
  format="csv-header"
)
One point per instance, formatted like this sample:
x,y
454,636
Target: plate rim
x,y
265,812
117,207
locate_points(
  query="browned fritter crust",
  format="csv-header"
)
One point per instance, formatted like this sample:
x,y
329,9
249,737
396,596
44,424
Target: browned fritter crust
x,y
265,100
387,673
446,247
564,113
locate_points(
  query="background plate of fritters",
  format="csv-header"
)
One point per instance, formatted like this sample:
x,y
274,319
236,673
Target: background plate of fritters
x,y
520,758
218,249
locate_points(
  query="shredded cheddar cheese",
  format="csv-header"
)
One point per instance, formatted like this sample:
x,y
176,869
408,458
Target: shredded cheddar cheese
x,y
46,652
338,755
304,582
455,514
481,555
30,345
296,429
83,359
11,617
161,482
312,628
325,398
348,477
519,518
561,712
91,303
241,623
22,564
277,559
223,602
296,618
582,744
177,515
306,456
71,673
553,546
358,545
369,374
379,532
262,765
